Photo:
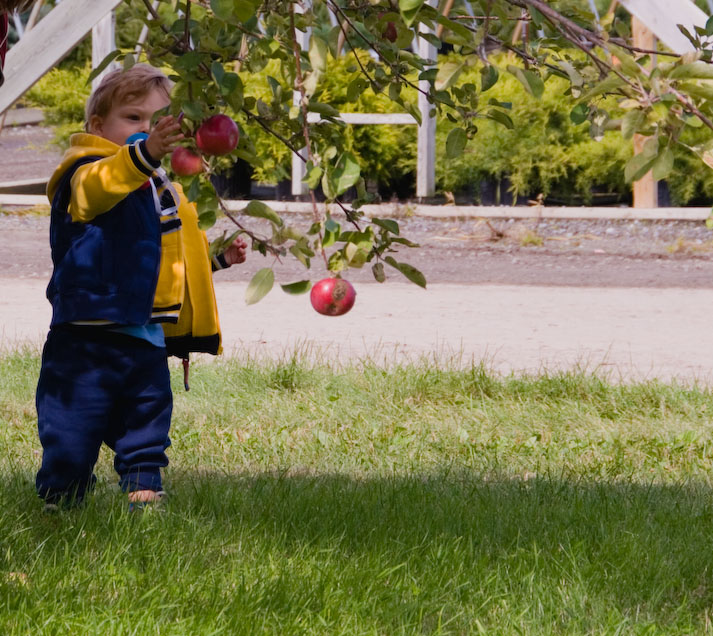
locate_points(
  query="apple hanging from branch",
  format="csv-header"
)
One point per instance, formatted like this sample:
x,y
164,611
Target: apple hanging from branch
x,y
217,135
185,162
332,296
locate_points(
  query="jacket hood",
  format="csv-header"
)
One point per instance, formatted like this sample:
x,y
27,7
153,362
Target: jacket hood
x,y
80,145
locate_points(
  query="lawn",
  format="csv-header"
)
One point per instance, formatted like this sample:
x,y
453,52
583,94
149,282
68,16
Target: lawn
x,y
311,499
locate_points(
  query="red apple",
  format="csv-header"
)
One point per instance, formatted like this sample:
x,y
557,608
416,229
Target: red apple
x,y
185,162
217,135
332,296
390,33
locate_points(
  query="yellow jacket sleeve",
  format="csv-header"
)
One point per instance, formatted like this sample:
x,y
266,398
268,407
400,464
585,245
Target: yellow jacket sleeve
x,y
98,186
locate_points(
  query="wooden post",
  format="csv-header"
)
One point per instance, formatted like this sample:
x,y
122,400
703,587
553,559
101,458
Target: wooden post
x,y
103,43
299,169
645,189
426,160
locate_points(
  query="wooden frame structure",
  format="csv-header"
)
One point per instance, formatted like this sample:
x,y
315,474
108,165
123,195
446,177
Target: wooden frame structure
x,y
50,40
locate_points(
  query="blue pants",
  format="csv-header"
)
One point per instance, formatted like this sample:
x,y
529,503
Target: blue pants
x,y
96,386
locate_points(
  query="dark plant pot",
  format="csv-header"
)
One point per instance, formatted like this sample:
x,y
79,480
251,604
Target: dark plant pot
x,y
235,183
402,188
664,195
497,192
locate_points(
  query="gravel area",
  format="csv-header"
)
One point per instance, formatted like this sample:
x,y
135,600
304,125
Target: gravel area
x,y
580,253
656,254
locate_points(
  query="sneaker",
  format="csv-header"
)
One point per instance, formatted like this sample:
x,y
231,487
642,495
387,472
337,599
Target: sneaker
x,y
50,508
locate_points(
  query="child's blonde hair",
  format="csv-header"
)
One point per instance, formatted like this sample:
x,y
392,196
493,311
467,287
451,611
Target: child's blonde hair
x,y
119,87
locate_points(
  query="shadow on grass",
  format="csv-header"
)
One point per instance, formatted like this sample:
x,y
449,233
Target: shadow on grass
x,y
634,544
581,550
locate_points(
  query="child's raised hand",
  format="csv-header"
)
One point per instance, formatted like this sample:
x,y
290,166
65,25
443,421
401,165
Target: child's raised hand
x,y
235,254
164,137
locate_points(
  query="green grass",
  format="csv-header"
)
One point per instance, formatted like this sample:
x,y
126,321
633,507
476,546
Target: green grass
x,y
308,499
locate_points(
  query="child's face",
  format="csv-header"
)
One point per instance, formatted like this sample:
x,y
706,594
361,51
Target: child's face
x,y
123,120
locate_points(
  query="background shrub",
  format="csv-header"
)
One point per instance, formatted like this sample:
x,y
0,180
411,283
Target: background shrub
x,y
545,153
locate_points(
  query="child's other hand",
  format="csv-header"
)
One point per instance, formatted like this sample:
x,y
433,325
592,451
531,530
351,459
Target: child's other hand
x,y
235,254
164,137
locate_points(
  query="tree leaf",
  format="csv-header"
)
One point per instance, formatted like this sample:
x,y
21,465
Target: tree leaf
x,y
102,65
663,165
263,211
631,122
414,111
194,190
607,85
579,114
409,9
260,285
455,143
488,77
448,74
346,173
388,224
627,63
530,80
378,270
318,50
574,77
244,10
637,167
312,177
501,117
694,70
456,28
206,220
356,88
651,147
223,9
336,262
326,110
409,271
300,287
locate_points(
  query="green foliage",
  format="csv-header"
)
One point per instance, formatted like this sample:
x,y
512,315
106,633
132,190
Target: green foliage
x,y
62,94
385,153
690,178
544,153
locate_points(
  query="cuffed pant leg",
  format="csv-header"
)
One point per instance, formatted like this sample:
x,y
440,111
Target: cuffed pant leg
x,y
140,424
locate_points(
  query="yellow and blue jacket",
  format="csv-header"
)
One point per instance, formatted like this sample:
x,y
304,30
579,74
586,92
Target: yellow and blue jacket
x,y
126,247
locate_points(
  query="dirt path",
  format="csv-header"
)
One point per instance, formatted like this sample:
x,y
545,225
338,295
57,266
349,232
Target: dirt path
x,y
624,333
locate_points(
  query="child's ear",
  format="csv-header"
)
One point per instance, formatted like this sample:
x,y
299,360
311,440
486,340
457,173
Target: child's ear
x,y
94,126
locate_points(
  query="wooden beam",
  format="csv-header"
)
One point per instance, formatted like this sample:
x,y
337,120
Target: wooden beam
x,y
646,188
368,118
47,43
663,20
299,169
426,159
103,43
